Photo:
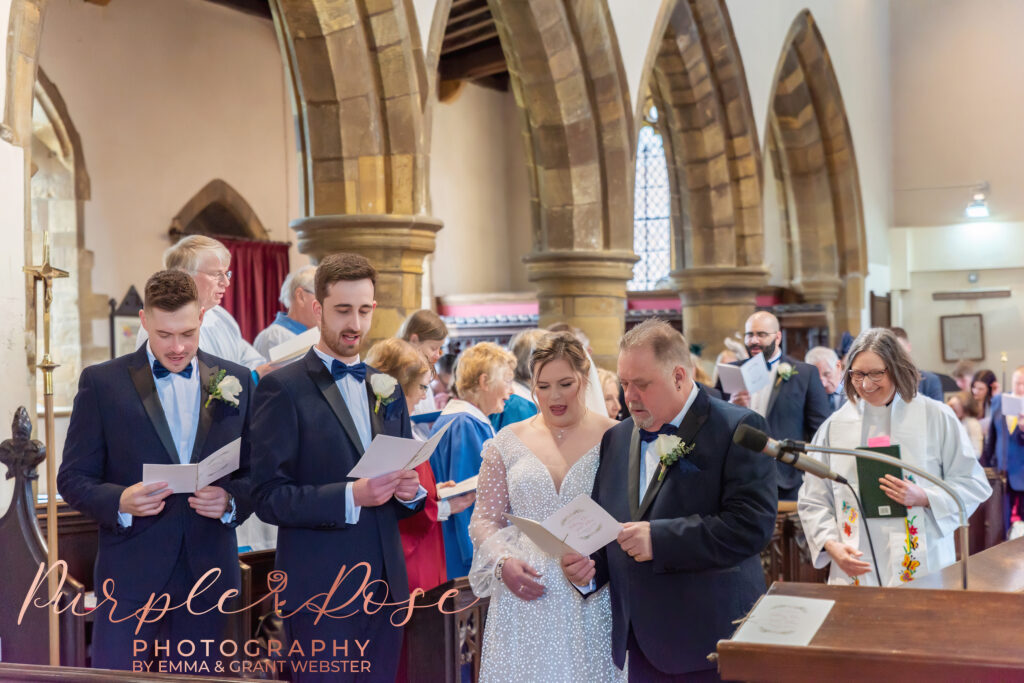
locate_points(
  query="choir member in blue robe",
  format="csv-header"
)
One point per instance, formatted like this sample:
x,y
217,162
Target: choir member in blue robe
x,y
520,405
483,378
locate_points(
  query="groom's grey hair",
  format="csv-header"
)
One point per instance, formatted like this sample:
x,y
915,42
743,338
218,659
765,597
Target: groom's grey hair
x,y
668,344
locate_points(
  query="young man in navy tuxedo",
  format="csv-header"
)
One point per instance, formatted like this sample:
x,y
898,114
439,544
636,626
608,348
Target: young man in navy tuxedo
x,y
312,421
794,403
155,406
687,562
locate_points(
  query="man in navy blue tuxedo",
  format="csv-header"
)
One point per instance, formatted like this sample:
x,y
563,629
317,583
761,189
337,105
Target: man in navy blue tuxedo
x,y
312,421
155,406
1004,450
794,402
687,562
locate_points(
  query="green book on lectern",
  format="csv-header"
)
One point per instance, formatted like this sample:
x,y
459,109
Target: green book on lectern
x,y
876,503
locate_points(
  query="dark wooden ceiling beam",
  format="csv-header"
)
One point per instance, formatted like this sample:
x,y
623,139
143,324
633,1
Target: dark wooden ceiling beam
x,y
477,62
486,36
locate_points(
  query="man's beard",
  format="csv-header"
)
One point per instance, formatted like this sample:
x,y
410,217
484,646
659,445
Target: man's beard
x,y
768,350
334,342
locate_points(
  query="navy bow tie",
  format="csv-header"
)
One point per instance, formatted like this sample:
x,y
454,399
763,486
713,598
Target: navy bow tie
x,y
667,428
159,371
772,363
339,370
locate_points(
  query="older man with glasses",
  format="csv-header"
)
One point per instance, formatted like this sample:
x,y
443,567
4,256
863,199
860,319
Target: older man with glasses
x,y
830,370
209,263
794,402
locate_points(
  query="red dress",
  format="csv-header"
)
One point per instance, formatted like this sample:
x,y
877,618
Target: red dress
x,y
422,540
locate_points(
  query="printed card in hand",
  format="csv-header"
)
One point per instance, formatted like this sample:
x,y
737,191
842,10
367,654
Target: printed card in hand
x,y
581,526
294,348
388,454
751,377
190,478
464,486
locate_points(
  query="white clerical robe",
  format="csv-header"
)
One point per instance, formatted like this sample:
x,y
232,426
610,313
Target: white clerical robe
x,y
930,437
219,335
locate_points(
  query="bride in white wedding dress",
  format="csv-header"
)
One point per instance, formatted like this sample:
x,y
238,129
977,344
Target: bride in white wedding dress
x,y
539,627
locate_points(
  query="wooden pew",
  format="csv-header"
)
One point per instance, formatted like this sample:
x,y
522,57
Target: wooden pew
x,y
24,552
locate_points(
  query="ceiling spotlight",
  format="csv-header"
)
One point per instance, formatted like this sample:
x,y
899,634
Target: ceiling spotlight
x,y
978,208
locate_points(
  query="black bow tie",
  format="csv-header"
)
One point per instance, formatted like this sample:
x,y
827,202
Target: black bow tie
x,y
773,363
667,428
159,371
339,370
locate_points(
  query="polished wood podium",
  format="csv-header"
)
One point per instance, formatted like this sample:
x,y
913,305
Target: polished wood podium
x,y
892,634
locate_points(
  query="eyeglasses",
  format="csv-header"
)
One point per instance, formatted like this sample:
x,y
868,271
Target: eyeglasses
x,y
218,275
875,376
760,335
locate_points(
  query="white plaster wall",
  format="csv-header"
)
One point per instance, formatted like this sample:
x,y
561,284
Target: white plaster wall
x,y
166,97
478,187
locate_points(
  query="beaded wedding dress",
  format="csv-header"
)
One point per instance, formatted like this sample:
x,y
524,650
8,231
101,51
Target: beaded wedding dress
x,y
559,636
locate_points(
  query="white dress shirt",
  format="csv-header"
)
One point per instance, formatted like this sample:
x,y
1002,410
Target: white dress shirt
x,y
648,458
353,392
220,336
759,399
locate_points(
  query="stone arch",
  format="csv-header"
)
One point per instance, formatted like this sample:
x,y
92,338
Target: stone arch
x,y
812,154
694,75
218,204
570,87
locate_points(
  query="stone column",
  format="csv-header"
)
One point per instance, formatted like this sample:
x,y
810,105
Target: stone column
x,y
824,291
717,302
396,246
586,289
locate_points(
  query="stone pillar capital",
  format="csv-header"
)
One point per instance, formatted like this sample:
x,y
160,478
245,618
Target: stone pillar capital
x,y
727,285
819,290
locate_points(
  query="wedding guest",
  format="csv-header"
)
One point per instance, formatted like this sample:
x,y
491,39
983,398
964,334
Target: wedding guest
x,y
882,388
931,385
793,401
443,381
830,371
965,408
610,388
963,374
520,405
312,421
162,404
208,262
985,389
1004,449
483,378
422,540
539,628
687,562
427,333
297,297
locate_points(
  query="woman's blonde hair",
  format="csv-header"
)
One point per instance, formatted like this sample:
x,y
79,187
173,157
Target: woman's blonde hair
x,y
485,358
425,324
401,360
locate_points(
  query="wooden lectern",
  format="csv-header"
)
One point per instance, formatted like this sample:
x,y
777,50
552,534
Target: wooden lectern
x,y
892,634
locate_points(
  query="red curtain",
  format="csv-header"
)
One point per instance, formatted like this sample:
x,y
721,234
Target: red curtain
x,y
258,271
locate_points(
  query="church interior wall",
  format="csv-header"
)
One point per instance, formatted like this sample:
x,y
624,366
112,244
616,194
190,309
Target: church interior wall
x,y
479,189
956,70
163,112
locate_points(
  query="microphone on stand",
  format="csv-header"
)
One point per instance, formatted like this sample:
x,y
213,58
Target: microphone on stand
x,y
786,451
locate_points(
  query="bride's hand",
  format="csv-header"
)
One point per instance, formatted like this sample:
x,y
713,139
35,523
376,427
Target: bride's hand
x,y
516,574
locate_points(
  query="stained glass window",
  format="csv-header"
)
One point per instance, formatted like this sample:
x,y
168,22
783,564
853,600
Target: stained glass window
x,y
652,222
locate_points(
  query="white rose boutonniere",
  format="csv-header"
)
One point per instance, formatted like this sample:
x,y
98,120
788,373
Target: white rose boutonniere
x,y
383,386
669,448
785,372
224,387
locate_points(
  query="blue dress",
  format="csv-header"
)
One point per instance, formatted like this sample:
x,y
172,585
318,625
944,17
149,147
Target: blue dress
x,y
458,457
516,409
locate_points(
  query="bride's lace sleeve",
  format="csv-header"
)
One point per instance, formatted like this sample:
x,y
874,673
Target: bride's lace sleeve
x,y
492,536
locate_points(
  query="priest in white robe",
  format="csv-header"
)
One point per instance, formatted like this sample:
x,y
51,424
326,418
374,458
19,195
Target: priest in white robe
x,y
881,383
209,262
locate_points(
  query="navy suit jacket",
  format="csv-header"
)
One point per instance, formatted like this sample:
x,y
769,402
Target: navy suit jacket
x,y
304,444
796,409
930,385
117,424
711,516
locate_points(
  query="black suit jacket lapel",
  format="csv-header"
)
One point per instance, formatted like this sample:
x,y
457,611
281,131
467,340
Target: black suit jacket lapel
x,y
142,378
376,416
206,375
325,383
777,386
633,478
694,419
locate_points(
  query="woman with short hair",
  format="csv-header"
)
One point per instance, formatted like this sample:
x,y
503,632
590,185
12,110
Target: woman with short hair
x,y
884,405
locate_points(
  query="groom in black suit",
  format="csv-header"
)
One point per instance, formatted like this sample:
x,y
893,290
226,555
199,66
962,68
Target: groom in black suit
x,y
687,562
312,420
154,406
794,403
